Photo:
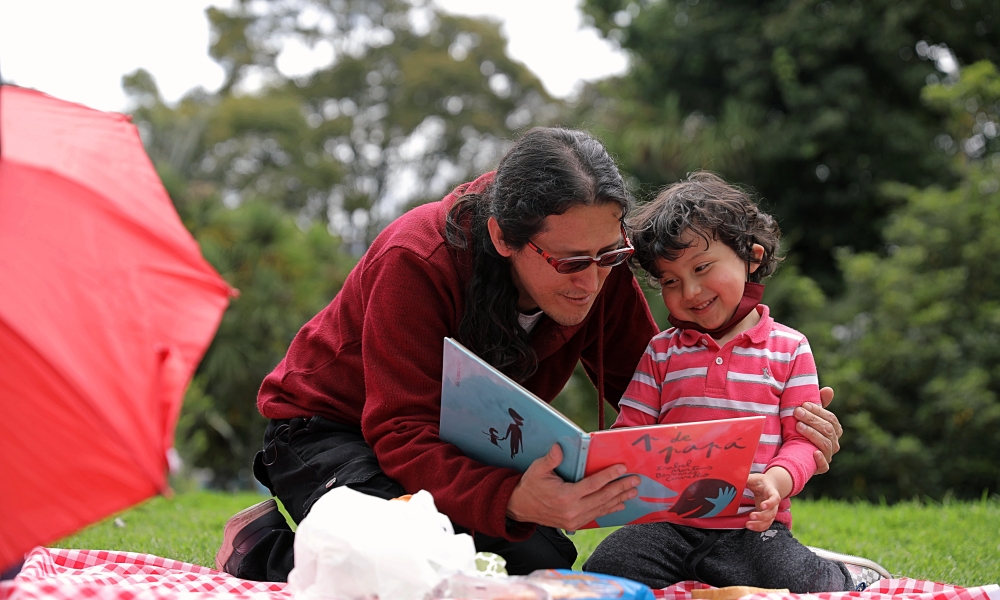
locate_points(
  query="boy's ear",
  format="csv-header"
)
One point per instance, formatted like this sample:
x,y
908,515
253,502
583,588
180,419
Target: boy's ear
x,y
757,251
496,236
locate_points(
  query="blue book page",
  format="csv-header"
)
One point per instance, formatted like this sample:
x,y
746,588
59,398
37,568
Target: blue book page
x,y
497,422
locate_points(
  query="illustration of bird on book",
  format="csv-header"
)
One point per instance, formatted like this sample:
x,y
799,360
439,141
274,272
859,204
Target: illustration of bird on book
x,y
701,499
704,498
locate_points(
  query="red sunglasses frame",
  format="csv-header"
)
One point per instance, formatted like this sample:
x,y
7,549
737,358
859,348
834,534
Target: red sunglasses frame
x,y
586,261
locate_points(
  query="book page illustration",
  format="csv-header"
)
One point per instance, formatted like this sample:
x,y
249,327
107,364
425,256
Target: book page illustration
x,y
686,470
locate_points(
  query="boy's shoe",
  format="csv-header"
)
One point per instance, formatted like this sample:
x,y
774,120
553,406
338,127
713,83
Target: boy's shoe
x,y
863,572
243,530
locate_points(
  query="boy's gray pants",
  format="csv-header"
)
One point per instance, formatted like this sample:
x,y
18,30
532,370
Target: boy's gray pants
x,y
662,554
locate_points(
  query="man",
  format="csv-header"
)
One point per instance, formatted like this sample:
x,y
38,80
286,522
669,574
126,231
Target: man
x,y
524,266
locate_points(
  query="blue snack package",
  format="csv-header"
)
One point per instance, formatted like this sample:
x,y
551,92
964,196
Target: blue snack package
x,y
566,583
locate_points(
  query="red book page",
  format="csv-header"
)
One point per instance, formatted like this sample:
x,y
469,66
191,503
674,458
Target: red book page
x,y
687,470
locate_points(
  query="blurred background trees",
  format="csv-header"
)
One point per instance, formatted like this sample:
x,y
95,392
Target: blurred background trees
x,y
811,103
913,344
868,126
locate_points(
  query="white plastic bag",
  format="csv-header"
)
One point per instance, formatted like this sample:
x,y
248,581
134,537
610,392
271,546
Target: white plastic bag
x,y
352,546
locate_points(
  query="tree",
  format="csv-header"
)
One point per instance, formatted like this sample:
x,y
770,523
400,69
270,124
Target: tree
x,y
284,275
413,102
814,104
913,346
286,269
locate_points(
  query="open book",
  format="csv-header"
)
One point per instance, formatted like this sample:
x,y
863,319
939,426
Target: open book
x,y
687,470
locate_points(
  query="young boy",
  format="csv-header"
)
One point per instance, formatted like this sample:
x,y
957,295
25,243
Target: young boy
x,y
708,246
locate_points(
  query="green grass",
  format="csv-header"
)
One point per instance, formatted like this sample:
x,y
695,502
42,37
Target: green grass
x,y
953,542
187,527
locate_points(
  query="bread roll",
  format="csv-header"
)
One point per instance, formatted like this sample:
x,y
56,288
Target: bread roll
x,y
732,592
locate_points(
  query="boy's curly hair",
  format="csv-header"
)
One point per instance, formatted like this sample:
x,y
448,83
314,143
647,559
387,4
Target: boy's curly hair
x,y
713,210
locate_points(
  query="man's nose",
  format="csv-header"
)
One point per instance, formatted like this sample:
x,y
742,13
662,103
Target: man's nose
x,y
589,279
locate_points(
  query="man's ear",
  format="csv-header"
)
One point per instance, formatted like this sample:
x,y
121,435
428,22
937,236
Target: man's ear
x,y
496,235
758,253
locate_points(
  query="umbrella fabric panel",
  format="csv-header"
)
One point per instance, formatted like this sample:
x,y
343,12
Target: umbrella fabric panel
x,y
101,151
107,306
62,468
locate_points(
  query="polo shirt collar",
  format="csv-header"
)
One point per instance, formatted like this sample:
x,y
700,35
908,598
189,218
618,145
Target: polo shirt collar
x,y
756,334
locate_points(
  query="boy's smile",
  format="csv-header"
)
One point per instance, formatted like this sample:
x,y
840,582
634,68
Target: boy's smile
x,y
705,283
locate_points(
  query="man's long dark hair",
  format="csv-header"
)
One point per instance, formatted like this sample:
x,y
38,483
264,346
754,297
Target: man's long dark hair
x,y
547,172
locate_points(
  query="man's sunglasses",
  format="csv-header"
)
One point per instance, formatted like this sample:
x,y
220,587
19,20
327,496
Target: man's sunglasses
x,y
575,264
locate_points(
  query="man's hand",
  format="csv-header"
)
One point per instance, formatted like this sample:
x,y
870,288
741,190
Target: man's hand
x,y
768,490
542,497
822,428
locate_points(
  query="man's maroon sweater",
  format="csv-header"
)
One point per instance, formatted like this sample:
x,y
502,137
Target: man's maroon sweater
x,y
372,358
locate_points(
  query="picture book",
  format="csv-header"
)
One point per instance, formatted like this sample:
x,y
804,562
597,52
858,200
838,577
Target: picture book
x,y
686,470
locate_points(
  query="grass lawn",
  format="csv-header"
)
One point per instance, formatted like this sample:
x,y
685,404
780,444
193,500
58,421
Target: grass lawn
x,y
954,542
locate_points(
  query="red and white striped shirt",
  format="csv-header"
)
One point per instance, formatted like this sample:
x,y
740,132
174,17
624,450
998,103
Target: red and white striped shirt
x,y
684,376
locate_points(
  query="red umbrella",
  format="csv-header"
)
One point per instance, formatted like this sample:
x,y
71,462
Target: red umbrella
x,y
106,307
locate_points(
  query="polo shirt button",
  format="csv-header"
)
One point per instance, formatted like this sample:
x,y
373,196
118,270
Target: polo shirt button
x,y
718,360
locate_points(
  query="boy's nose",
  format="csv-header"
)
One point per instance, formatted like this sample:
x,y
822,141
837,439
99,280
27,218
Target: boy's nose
x,y
691,290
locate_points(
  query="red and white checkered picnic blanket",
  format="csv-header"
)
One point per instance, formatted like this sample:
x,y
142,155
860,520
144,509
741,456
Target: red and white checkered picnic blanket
x,y
903,588
53,574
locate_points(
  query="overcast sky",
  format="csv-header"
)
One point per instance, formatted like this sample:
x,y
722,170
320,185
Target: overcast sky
x,y
79,49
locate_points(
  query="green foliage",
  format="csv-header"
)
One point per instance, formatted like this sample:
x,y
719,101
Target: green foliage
x,y
814,104
912,345
972,108
285,276
578,401
414,102
953,542
402,114
285,268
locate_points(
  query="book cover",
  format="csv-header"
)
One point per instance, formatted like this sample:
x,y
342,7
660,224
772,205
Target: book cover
x,y
499,423
686,470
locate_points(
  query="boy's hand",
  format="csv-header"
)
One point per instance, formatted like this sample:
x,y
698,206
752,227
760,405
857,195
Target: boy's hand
x,y
766,497
768,490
